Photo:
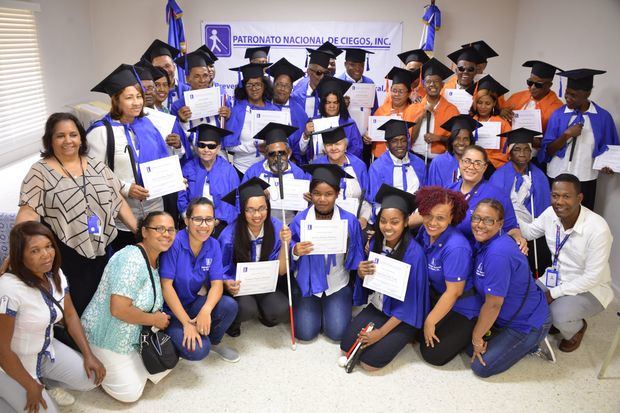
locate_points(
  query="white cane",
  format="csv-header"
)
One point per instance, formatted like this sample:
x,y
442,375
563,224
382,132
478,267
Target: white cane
x,y
532,208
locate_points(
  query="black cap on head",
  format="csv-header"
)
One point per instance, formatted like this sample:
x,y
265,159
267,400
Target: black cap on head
x,y
275,132
155,72
319,57
257,52
466,53
484,50
251,188
284,67
488,83
251,70
435,67
159,48
581,79
208,52
355,55
206,132
416,55
329,173
459,122
520,135
333,135
391,197
331,49
330,84
197,58
143,70
541,69
404,76
396,127
118,80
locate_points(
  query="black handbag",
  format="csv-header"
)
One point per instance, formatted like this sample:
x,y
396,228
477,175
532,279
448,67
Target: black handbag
x,y
156,348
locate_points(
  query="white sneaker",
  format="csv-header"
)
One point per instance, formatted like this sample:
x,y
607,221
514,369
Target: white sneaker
x,y
228,354
61,396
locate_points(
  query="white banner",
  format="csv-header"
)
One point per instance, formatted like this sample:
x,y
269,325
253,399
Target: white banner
x,y
290,39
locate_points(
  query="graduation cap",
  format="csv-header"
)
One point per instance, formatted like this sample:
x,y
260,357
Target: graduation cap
x,y
329,173
257,52
334,134
319,57
355,55
330,84
143,71
581,79
275,132
459,122
484,50
541,69
488,83
391,197
396,127
206,132
119,79
208,51
155,72
520,135
159,48
284,67
330,49
404,76
251,188
197,58
435,67
251,70
416,55
468,53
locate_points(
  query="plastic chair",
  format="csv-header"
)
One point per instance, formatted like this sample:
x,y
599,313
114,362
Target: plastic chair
x,y
610,353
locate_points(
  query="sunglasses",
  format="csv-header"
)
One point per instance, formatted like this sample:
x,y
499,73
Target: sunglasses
x,y
463,69
537,85
319,72
276,153
203,145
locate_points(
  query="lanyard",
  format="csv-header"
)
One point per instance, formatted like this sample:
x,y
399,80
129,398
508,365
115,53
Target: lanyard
x,y
473,191
558,245
83,187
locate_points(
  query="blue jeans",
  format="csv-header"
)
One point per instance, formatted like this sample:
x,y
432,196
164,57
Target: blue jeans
x,y
332,313
507,348
222,317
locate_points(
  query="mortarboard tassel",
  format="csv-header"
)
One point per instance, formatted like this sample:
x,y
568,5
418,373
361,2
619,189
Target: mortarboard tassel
x,y
560,91
367,63
306,64
138,77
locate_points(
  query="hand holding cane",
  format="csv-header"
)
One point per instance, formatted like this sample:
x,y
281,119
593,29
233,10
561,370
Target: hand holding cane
x,y
532,208
428,129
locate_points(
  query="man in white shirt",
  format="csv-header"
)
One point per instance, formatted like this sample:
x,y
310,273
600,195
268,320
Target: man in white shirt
x,y
578,283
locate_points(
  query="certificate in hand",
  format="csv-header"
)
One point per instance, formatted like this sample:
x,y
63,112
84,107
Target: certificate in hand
x,y
162,176
487,135
361,95
459,98
260,119
390,278
257,277
350,205
610,158
164,122
294,190
374,122
321,124
327,237
360,117
529,119
203,102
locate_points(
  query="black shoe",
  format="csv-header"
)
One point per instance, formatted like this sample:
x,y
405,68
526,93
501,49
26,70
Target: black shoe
x,y
553,331
266,323
234,331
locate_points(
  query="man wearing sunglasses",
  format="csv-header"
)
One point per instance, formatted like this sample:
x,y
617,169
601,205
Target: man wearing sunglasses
x,y
467,60
278,152
304,91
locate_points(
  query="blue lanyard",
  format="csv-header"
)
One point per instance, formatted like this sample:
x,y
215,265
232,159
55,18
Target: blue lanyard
x,y
558,245
473,190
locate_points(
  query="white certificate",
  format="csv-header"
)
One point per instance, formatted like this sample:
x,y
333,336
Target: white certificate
x,y
374,122
164,122
390,278
350,205
459,98
294,190
162,176
260,119
257,277
609,158
321,124
487,135
361,95
327,236
529,119
203,102
360,117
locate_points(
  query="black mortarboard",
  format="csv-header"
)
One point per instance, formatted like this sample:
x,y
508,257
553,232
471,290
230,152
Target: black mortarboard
x,y
520,135
197,58
251,188
118,80
581,79
459,122
330,84
355,55
159,48
541,69
488,83
208,51
396,127
284,67
257,52
144,72
206,132
484,50
331,49
417,55
404,76
155,72
391,197
275,132
466,53
329,173
251,70
435,67
319,57
334,134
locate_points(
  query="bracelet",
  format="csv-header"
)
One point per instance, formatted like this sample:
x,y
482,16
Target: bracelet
x,y
477,345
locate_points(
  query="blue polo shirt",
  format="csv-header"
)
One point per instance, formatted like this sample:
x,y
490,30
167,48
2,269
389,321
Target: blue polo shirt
x,y
190,273
449,259
503,271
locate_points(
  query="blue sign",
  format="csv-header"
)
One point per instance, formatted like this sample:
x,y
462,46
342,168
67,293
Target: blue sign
x,y
218,38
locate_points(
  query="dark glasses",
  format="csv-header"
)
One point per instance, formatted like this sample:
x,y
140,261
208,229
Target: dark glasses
x,y
463,69
537,85
276,153
203,145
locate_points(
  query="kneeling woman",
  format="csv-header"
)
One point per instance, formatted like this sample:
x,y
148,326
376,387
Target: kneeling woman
x,y
396,322
322,297
254,236
192,265
513,303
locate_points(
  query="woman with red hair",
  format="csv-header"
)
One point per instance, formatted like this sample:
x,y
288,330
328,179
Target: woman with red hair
x,y
455,305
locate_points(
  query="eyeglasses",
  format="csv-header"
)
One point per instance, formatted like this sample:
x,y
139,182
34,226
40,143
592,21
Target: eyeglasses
x,y
432,82
162,230
463,69
537,85
254,86
399,92
489,222
149,89
203,145
476,164
200,220
319,73
252,211
275,154
283,86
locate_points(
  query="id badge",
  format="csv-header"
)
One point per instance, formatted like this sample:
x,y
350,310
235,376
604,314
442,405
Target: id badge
x,y
94,225
551,277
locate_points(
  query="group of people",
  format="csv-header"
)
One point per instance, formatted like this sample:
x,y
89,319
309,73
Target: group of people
x,y
501,253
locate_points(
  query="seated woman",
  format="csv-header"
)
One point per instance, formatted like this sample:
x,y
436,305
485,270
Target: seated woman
x,y
255,236
396,322
331,91
192,265
33,297
322,298
448,327
124,302
513,303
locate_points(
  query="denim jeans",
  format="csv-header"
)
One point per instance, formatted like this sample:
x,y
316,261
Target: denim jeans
x,y
331,313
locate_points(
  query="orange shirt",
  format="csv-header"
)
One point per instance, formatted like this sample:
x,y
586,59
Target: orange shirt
x,y
496,156
378,148
449,84
443,112
547,105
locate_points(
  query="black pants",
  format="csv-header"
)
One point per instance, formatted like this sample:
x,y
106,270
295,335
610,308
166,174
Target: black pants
x,y
123,239
271,308
170,206
544,255
385,350
454,332
588,188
